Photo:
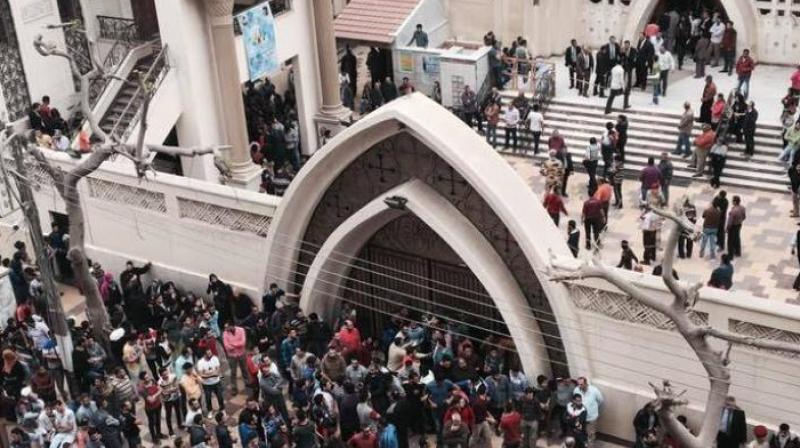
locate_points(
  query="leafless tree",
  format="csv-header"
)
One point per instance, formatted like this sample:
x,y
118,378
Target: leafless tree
x,y
697,336
103,147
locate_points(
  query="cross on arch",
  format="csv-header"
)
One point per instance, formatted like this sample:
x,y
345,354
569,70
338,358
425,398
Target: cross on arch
x,y
380,168
336,203
505,239
452,179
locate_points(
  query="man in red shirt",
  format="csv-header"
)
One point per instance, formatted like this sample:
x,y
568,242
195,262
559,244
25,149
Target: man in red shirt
x,y
350,338
593,220
364,439
510,424
744,69
554,205
796,81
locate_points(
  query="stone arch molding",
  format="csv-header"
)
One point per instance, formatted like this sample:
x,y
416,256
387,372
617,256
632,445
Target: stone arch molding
x,y
327,273
739,11
466,152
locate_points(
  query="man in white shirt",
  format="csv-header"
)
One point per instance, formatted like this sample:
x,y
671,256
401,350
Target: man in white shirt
x,y
666,63
208,368
60,141
536,126
617,85
717,32
511,119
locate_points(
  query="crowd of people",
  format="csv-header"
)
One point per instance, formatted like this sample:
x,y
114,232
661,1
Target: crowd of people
x,y
273,131
52,131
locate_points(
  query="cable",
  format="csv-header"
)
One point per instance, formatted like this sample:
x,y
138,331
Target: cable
x,y
693,359
451,319
529,317
647,374
527,329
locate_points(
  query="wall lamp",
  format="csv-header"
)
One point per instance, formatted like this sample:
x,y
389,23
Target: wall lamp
x,y
396,202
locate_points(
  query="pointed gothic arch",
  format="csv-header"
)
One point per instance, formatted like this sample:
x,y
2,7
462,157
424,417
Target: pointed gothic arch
x,y
413,138
741,12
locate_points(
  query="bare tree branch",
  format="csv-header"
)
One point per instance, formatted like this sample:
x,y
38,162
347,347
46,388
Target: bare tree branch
x,y
679,311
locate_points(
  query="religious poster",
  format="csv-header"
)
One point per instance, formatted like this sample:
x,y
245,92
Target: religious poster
x,y
430,64
406,62
258,34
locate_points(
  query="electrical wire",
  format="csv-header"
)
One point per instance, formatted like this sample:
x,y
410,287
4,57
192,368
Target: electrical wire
x,y
693,359
609,363
649,347
548,347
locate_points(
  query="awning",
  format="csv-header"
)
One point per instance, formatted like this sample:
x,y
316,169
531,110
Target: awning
x,y
373,21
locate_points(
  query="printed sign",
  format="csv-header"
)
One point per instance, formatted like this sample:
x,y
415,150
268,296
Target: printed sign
x,y
258,34
406,62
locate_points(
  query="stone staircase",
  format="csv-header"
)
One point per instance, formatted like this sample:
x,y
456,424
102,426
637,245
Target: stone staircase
x,y
649,134
126,103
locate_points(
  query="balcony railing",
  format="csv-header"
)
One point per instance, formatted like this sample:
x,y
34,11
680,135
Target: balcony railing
x,y
118,28
277,7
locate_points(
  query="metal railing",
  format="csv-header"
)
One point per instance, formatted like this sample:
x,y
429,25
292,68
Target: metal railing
x,y
153,78
118,28
111,64
541,78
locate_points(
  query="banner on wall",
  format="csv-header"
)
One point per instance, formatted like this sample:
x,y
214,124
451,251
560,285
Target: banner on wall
x,y
258,34
406,62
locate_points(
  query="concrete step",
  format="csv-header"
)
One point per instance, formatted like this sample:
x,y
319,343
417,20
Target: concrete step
x,y
576,111
648,115
564,122
681,174
765,158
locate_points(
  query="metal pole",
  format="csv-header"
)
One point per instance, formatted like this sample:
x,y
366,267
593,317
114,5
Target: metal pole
x,y
55,310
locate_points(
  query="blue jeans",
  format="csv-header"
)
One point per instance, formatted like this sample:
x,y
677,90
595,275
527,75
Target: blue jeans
x,y
491,133
656,90
788,153
709,236
684,144
744,85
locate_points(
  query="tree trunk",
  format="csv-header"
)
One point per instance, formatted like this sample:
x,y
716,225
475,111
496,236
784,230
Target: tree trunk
x,y
95,308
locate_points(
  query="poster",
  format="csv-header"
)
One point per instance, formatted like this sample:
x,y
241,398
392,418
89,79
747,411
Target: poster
x,y
430,64
258,34
406,62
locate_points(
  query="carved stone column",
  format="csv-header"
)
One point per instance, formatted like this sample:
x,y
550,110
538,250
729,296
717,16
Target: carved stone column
x,y
220,18
332,111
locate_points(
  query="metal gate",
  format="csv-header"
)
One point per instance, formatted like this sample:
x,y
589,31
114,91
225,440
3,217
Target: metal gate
x,y
382,281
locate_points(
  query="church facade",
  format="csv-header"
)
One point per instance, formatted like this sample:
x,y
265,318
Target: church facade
x,y
769,28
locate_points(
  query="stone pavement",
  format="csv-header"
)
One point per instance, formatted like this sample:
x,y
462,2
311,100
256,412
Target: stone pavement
x,y
766,269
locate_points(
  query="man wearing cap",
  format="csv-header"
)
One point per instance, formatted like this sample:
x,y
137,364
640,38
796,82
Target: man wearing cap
x,y
760,433
733,426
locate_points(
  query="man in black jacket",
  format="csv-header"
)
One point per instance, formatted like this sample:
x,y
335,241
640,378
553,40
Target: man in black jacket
x,y
571,60
644,60
733,428
628,61
748,124
602,71
645,420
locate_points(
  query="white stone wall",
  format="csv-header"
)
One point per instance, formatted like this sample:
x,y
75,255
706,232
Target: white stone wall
x,y
295,36
187,228
45,76
769,27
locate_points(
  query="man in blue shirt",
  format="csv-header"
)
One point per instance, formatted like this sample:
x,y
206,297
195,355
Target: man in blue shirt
x,y
592,400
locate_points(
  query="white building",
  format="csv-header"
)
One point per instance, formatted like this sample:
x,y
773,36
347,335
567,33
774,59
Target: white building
x,y
471,217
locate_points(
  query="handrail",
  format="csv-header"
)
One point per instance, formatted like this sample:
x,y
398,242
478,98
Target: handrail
x,y
158,67
111,62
